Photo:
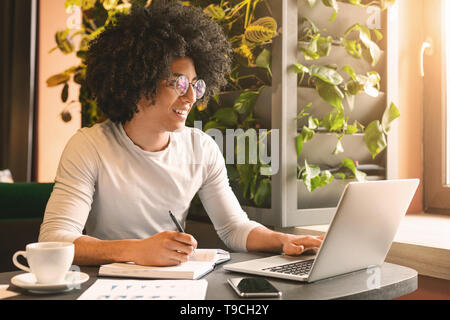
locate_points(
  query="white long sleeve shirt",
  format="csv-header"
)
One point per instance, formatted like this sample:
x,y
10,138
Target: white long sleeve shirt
x,y
110,186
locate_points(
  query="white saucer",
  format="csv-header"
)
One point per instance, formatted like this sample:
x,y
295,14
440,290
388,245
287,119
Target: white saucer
x,y
28,281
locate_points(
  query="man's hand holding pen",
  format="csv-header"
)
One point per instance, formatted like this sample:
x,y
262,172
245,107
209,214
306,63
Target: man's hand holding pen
x,y
167,248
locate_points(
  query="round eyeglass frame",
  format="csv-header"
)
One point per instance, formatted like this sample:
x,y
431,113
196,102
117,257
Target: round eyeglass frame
x,y
181,86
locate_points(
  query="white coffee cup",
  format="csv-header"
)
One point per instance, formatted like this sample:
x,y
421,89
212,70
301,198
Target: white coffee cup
x,y
49,261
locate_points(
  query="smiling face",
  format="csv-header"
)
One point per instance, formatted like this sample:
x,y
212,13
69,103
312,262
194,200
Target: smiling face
x,y
170,110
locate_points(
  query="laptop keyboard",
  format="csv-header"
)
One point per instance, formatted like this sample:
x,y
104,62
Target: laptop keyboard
x,y
296,268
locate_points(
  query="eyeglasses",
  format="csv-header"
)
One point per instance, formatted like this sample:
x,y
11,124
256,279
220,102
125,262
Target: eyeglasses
x,y
181,86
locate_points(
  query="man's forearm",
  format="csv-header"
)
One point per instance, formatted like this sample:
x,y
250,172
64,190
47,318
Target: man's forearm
x,y
92,251
264,239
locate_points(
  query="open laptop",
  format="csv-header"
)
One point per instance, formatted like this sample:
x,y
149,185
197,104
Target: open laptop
x,y
360,234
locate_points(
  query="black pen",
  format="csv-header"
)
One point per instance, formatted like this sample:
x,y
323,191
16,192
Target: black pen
x,y
179,227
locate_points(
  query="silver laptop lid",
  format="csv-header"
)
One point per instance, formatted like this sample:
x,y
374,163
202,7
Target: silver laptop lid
x,y
363,227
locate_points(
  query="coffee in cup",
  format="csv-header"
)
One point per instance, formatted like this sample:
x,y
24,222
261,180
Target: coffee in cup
x,y
48,261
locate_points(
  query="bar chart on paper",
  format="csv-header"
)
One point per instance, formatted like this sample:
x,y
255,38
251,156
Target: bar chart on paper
x,y
106,289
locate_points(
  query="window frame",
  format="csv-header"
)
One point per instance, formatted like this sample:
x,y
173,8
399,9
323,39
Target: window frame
x,y
435,144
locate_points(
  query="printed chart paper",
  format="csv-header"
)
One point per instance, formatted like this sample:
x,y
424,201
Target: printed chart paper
x,y
106,289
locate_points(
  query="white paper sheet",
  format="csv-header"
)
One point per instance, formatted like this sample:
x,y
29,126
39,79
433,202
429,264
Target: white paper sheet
x,y
5,293
106,289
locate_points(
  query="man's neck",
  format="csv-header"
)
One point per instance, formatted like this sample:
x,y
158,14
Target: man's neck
x,y
145,137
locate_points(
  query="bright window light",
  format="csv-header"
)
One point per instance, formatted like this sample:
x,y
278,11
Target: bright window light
x,y
447,84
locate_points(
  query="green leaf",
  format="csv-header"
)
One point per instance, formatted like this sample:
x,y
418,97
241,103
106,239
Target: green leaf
x,y
312,3
317,47
334,121
245,102
253,181
390,114
375,53
333,16
378,34
374,138
299,68
307,134
110,4
341,175
232,172
299,145
374,50
350,71
324,45
58,79
214,11
355,2
63,41
309,173
303,113
248,120
245,175
349,164
352,47
263,192
80,75
353,87
266,170
351,129
324,179
227,117
213,125
313,178
339,148
65,93
307,28
87,4
359,126
354,28
350,101
326,74
313,123
332,4
330,93
310,51
69,3
263,60
53,49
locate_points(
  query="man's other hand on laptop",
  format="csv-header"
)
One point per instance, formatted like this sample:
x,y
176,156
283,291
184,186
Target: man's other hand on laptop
x,y
295,245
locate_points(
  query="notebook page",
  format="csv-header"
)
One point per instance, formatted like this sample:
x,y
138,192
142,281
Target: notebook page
x,y
204,255
212,255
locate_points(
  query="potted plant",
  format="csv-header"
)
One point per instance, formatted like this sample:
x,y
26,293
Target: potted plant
x,y
250,29
344,124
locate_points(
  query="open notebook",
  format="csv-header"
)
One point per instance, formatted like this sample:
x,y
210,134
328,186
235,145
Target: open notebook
x,y
199,264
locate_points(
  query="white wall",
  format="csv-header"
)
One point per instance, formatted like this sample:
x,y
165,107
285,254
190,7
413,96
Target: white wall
x,y
52,132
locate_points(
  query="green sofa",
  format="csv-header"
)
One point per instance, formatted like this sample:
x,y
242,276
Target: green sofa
x,y
22,207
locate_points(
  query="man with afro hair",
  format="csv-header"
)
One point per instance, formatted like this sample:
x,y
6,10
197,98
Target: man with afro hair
x,y
118,179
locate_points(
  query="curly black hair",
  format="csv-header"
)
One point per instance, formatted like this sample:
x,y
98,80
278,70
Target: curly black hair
x,y
128,59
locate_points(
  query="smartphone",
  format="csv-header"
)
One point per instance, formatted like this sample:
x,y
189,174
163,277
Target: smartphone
x,y
254,287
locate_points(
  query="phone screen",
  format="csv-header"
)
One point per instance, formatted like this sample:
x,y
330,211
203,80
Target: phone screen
x,y
254,287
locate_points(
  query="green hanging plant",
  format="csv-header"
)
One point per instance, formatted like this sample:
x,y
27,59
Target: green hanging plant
x,y
336,87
